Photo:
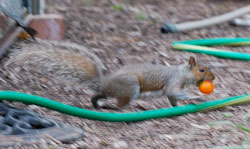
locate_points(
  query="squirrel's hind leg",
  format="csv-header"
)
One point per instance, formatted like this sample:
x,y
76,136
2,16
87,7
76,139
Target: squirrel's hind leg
x,y
131,94
97,104
173,101
95,99
181,95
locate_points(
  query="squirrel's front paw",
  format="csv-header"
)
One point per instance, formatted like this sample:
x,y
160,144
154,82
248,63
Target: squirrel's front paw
x,y
194,100
190,102
139,108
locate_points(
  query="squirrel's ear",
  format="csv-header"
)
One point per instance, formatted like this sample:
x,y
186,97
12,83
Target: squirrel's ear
x,y
192,62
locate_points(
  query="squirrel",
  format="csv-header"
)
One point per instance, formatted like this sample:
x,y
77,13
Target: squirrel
x,y
76,64
149,80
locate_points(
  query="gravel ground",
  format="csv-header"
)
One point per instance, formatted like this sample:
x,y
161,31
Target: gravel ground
x,y
125,32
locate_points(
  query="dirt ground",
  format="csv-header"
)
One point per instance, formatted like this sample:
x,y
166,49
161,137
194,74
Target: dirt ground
x,y
127,32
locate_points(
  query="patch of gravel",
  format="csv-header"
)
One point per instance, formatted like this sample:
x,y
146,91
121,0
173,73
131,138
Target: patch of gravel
x,y
131,35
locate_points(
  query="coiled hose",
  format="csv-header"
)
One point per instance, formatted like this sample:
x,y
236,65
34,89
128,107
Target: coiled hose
x,y
152,114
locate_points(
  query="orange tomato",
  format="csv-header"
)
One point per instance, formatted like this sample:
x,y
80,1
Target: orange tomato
x,y
206,87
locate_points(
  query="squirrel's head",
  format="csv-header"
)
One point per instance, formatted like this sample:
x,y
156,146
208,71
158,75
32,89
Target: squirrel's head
x,y
200,72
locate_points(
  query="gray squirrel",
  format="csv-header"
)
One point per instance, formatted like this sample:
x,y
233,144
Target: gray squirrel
x,y
148,80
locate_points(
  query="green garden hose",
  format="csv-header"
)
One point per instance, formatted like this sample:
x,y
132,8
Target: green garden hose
x,y
121,117
216,41
198,46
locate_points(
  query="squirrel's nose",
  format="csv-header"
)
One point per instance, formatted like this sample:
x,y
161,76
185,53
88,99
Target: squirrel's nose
x,y
210,78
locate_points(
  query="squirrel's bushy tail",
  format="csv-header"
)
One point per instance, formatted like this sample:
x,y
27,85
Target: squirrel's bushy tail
x,y
64,61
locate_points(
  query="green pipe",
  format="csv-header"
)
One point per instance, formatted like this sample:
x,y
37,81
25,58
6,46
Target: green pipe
x,y
216,41
120,117
198,46
212,51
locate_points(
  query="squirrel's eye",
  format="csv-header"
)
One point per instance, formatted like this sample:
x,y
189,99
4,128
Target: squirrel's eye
x,y
202,70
